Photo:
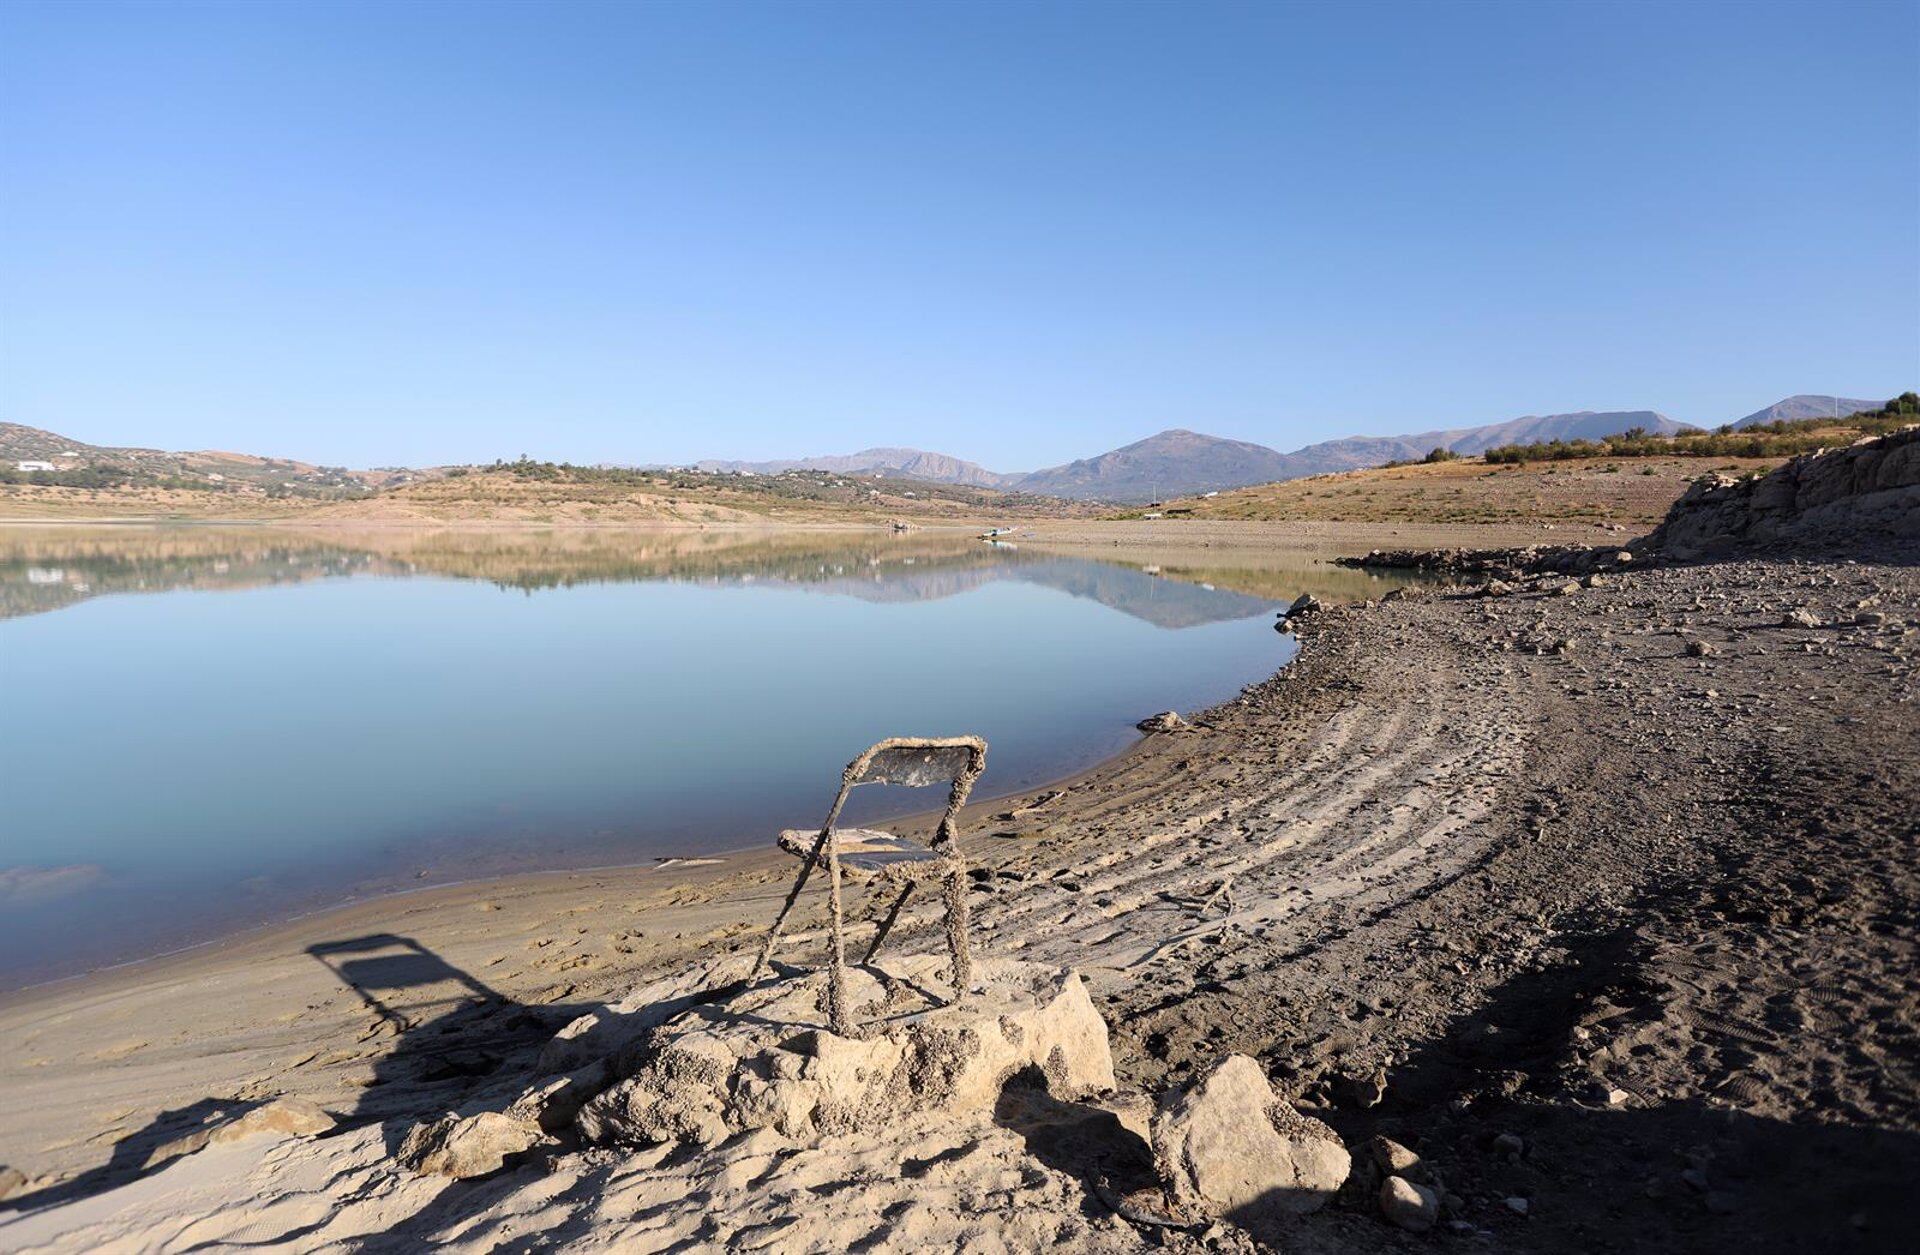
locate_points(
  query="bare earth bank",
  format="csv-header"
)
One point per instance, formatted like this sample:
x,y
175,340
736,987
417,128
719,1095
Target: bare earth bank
x,y
1601,899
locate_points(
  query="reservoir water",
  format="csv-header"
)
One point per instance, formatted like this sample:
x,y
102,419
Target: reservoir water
x,y
203,729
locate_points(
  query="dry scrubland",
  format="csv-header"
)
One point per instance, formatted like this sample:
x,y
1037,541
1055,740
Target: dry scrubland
x,y
1463,494
497,497
1629,492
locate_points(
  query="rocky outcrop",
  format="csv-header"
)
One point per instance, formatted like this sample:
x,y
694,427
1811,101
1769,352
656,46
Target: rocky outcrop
x,y
761,1059
1830,500
1230,1146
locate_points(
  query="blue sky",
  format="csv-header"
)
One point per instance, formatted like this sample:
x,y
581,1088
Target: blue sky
x,y
1020,233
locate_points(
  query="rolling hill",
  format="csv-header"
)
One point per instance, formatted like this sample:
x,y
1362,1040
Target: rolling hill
x,y
1807,405
207,468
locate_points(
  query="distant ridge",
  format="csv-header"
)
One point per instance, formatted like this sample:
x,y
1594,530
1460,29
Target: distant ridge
x,y
1169,464
936,468
1358,452
204,467
1181,462
1807,405
1175,462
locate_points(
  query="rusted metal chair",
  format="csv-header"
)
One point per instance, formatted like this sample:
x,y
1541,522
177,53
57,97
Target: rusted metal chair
x,y
887,859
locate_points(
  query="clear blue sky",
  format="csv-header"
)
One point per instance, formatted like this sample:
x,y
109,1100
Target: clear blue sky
x,y
421,232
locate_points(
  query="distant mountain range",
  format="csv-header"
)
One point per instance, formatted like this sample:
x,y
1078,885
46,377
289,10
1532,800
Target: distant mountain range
x,y
1808,405
935,468
1172,463
1181,463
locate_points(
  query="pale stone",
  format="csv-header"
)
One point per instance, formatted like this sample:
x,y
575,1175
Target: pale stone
x,y
763,1060
1230,1145
466,1146
1414,1208
284,1117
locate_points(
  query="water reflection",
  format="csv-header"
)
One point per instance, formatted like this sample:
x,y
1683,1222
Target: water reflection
x,y
47,569
353,714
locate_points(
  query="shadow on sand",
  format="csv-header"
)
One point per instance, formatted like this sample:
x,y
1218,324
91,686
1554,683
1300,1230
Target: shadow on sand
x,y
451,1038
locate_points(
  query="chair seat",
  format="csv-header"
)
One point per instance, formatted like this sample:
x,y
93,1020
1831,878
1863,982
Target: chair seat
x,y
868,852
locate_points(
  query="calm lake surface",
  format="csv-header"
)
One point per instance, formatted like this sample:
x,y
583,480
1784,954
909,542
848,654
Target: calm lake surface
x,y
210,728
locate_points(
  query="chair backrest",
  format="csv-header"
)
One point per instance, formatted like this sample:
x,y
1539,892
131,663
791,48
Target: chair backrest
x,y
914,761
917,761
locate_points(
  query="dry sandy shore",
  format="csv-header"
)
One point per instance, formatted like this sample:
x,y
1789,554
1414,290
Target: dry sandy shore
x,y
1602,900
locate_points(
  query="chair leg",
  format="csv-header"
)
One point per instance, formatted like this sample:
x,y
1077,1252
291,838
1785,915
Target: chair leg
x,y
957,918
786,908
886,925
839,1019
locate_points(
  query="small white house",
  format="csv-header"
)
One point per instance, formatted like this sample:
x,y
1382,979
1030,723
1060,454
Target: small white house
x,y
34,466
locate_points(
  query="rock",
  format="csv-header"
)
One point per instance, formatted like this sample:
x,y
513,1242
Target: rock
x,y
12,1181
1395,594
1509,1146
1396,1160
1801,617
466,1146
762,1060
1305,603
1414,1208
1517,1205
1700,649
1568,589
1828,499
1165,721
600,1034
1230,1146
551,1103
1496,588
1365,1091
285,1117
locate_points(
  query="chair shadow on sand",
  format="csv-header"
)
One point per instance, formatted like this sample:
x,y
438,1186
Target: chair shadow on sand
x,y
455,1037
452,1037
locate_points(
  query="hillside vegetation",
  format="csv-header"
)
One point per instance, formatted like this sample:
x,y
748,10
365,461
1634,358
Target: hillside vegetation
x,y
1780,438
1627,480
1469,491
546,492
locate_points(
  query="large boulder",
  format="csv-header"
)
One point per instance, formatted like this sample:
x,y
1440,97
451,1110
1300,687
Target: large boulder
x,y
1229,1145
762,1058
466,1146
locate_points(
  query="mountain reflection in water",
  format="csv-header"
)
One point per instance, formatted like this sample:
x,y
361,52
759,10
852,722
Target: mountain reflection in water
x,y
46,568
222,726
